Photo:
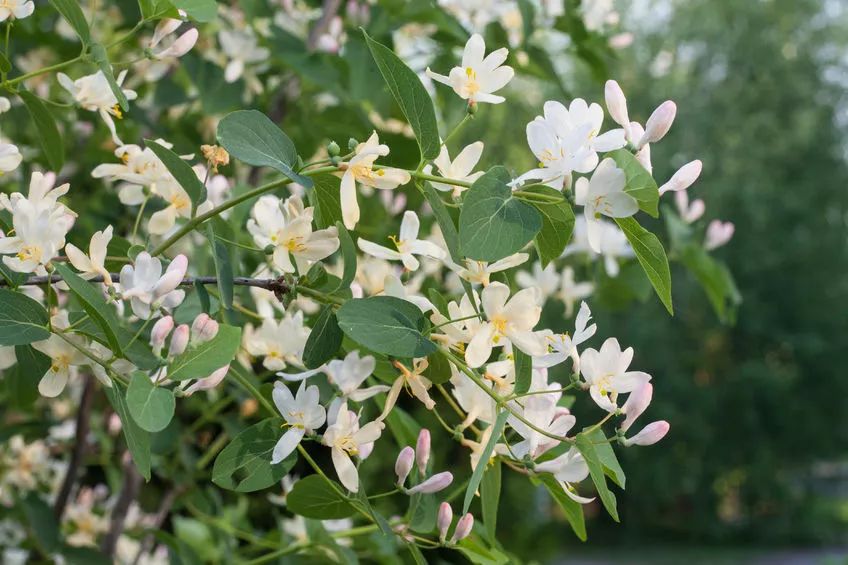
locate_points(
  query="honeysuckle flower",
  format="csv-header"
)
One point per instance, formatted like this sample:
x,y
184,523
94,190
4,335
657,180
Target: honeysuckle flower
x,y
138,166
208,383
93,264
346,438
148,289
179,340
478,77
436,483
160,332
407,243
658,123
422,451
689,212
414,381
508,320
557,156
542,411
650,434
582,117
463,528
617,105
568,468
64,359
458,169
456,334
614,244
241,48
718,234
547,280
403,464
204,328
606,374
564,346
39,235
178,47
636,404
279,343
347,375
93,93
10,157
42,195
474,401
16,9
179,206
604,195
683,178
361,169
443,520
303,414
570,291
480,272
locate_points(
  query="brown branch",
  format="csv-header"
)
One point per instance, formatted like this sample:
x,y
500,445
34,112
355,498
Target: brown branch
x,y
129,492
161,513
277,286
83,417
330,9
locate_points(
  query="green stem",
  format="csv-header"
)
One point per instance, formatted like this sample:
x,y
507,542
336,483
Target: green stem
x,y
454,320
39,72
444,180
244,382
458,127
138,217
320,295
212,451
514,396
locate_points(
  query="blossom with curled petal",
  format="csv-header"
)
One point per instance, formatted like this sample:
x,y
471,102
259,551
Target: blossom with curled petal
x,y
93,93
347,439
604,195
568,468
303,414
407,243
460,168
605,373
480,75
148,289
93,264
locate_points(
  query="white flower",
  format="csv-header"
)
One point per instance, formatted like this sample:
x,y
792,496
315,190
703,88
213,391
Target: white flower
x,y
479,272
614,244
478,77
64,358
179,46
458,169
606,374
139,166
93,93
179,206
10,157
407,243
455,333
568,468
280,343
683,177
148,289
688,212
718,234
570,291
93,264
604,195
565,346
303,413
508,321
287,226
542,411
472,399
347,375
414,381
16,9
650,434
547,280
345,439
241,48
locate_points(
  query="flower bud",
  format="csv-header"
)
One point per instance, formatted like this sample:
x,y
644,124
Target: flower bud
x,y
351,144
179,340
684,177
444,519
269,249
636,404
718,233
471,109
333,149
463,528
650,434
616,104
164,28
182,45
422,450
403,465
204,328
659,123
437,482
160,332
209,382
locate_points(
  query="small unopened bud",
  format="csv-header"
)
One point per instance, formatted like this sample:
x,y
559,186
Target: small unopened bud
x,y
471,108
351,144
179,340
718,233
683,178
617,104
636,404
437,482
422,450
444,519
659,123
204,328
182,45
164,28
215,155
269,249
463,528
403,465
650,434
160,332
333,149
210,382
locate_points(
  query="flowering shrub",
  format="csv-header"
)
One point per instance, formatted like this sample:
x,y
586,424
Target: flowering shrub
x,y
261,309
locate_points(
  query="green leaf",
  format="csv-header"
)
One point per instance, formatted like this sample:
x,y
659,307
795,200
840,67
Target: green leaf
x,y
5,65
490,495
245,464
423,512
324,340
22,319
71,11
138,440
640,184
101,59
438,370
326,199
223,270
523,370
651,255
319,498
348,256
46,129
42,522
587,448
250,136
182,172
607,457
387,325
203,359
137,352
21,379
557,225
411,96
572,509
475,551
13,278
151,406
493,224
716,280
198,10
94,304
483,462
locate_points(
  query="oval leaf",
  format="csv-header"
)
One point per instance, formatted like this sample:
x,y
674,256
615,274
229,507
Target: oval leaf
x,y
71,11
557,225
315,497
640,184
387,325
203,359
651,255
152,407
245,464
324,340
94,305
22,319
45,127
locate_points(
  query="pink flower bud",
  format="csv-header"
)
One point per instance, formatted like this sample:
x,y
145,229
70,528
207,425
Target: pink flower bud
x,y
160,332
437,482
650,434
210,382
179,340
444,519
203,328
180,47
689,212
463,528
403,465
616,104
165,28
684,177
636,404
422,450
659,123
718,233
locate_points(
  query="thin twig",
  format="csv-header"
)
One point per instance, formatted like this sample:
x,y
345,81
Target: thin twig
x,y
129,492
83,418
278,285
